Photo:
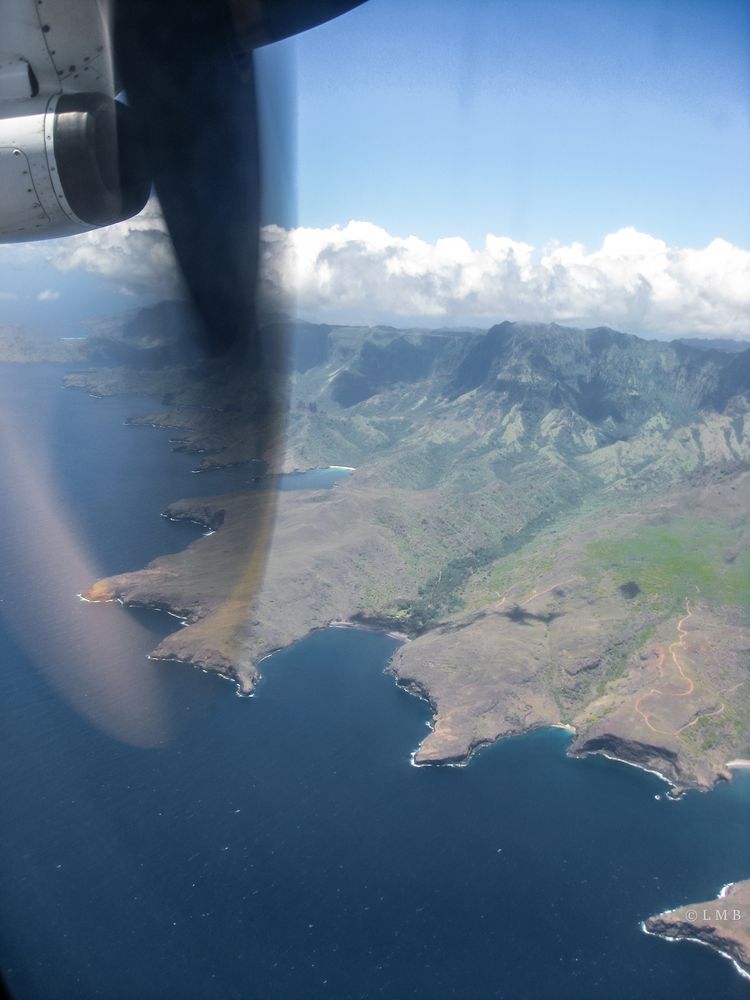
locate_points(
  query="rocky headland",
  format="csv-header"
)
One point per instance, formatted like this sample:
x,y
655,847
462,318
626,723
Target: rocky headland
x,y
722,923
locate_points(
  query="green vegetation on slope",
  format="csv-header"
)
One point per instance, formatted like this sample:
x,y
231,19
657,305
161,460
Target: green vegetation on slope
x,y
671,563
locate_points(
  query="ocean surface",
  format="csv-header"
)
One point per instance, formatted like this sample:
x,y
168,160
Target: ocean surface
x,y
161,837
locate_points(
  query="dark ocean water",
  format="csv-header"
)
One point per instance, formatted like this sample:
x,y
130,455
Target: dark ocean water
x,y
282,846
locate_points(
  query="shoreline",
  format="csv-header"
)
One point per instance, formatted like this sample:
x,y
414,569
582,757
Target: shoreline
x,y
245,689
675,793
676,938
361,627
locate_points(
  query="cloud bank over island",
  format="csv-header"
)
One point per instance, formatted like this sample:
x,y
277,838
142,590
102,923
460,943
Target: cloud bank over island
x,y
633,281
360,273
137,254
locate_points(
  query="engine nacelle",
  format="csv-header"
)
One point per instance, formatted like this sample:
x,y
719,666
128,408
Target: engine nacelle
x,y
68,164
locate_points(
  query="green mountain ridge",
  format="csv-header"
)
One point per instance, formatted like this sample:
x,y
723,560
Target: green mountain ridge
x,y
494,400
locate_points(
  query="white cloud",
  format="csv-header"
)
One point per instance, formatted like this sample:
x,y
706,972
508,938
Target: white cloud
x,y
633,281
361,273
136,255
48,295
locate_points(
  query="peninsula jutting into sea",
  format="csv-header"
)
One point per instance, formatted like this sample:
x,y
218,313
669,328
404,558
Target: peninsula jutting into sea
x,y
555,518
720,923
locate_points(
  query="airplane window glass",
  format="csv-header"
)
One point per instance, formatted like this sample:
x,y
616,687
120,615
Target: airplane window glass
x,y
375,444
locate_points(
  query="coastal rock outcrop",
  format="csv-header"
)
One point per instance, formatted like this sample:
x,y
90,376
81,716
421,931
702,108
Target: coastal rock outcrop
x,y
722,923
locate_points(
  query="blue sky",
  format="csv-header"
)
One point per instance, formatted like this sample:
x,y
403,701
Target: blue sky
x,y
536,120
36,296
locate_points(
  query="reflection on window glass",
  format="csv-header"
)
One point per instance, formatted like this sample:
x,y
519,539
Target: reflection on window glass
x,y
391,362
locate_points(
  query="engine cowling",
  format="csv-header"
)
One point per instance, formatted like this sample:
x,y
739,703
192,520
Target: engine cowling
x,y
68,164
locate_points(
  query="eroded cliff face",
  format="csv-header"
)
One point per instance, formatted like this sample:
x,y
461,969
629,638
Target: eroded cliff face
x,y
722,923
